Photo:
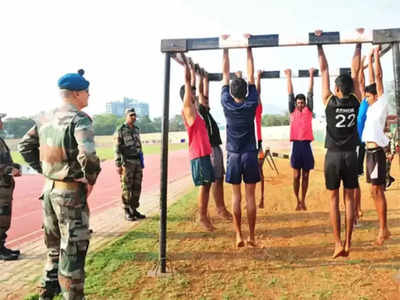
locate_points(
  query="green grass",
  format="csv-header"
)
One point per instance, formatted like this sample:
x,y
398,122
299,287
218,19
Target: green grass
x,y
106,153
114,271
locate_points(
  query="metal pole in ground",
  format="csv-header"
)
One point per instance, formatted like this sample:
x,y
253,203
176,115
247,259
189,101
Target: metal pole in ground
x,y
396,79
164,167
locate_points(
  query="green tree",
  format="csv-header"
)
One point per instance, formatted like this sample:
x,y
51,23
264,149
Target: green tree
x,y
275,120
176,124
105,124
17,127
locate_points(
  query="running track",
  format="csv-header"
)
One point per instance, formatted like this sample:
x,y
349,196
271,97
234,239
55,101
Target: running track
x,y
27,211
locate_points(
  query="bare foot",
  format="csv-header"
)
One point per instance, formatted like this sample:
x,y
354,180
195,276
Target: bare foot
x,y
207,224
225,214
382,237
360,213
339,251
298,207
251,243
239,242
303,205
261,204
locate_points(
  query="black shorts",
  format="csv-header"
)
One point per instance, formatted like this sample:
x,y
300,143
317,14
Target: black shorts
x,y
376,166
341,165
360,158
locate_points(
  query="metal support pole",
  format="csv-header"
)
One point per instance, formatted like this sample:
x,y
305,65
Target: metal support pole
x,y
396,78
164,167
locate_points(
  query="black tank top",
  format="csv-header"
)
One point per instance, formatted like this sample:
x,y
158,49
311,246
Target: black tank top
x,y
341,123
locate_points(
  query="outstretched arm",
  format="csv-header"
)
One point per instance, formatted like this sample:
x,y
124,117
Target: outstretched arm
x,y
378,72
288,74
205,84
361,78
225,65
250,66
355,71
292,105
310,95
371,73
258,85
323,65
189,111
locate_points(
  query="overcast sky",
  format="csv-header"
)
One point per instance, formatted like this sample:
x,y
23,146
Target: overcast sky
x,y
118,45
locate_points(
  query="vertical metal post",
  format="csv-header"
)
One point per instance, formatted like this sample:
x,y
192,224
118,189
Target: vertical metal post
x,y
396,77
164,167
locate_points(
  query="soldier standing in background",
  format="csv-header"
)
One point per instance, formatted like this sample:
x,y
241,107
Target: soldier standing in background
x,y
130,163
61,146
8,169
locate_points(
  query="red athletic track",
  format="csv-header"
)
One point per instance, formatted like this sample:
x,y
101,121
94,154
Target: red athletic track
x,y
27,211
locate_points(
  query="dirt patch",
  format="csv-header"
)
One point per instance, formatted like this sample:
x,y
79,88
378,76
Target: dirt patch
x,y
294,259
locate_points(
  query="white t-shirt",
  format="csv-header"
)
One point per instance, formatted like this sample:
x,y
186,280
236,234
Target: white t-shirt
x,y
375,123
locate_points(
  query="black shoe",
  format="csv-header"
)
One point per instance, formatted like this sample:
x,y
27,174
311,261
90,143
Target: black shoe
x,y
49,291
13,252
5,255
138,215
391,180
128,216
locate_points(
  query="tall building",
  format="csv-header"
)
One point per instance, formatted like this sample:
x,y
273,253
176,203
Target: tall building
x,y
118,107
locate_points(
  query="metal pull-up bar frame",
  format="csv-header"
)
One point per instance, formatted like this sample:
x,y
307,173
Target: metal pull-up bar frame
x,y
377,36
171,48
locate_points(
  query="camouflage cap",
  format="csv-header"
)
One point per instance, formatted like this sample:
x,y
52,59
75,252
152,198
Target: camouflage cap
x,y
2,115
130,110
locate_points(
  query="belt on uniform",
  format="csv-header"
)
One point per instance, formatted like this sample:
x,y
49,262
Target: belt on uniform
x,y
374,150
132,157
66,185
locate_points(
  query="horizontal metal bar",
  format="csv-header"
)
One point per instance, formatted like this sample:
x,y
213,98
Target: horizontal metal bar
x,y
380,36
281,74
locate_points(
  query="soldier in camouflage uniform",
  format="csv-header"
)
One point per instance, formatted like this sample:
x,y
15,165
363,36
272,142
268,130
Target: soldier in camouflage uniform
x,y
392,134
129,163
8,169
61,147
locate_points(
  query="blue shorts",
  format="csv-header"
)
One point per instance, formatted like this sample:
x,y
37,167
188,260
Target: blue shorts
x,y
302,156
202,171
240,165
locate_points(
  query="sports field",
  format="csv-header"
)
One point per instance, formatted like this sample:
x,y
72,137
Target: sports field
x,y
292,262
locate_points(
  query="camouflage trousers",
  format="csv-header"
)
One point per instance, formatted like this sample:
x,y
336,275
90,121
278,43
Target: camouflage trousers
x,y
66,234
131,183
6,196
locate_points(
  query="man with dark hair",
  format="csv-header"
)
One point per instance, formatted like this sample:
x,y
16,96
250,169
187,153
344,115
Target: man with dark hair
x,y
216,156
301,136
242,162
375,141
8,170
341,140
199,145
129,163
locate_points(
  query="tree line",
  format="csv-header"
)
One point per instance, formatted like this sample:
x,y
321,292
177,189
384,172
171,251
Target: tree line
x,y
104,124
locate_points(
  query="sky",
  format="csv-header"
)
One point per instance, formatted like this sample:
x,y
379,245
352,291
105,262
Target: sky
x,y
117,43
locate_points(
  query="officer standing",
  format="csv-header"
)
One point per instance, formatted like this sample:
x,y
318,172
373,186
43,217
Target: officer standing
x,y
8,169
129,163
61,146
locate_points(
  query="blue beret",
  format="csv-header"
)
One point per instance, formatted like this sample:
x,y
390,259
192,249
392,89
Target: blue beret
x,y
73,81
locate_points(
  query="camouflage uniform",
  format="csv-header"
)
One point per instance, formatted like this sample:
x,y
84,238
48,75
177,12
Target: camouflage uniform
x,y
128,149
61,147
391,150
7,185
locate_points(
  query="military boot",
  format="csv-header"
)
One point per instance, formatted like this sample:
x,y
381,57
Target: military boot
x,y
5,254
49,290
128,215
13,252
138,215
